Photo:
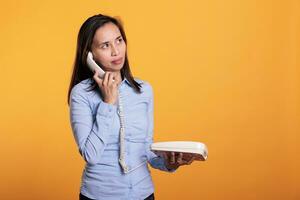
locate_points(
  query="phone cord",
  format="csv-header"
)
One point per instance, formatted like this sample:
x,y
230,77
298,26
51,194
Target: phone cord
x,y
122,139
122,136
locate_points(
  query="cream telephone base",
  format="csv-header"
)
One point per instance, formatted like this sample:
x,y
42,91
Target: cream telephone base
x,y
188,148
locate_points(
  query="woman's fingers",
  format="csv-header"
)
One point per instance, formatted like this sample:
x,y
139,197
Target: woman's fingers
x,y
172,157
97,78
108,86
165,156
179,158
184,159
105,79
191,160
176,159
111,79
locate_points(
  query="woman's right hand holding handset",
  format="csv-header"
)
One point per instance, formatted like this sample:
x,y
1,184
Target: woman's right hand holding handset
x,y
108,86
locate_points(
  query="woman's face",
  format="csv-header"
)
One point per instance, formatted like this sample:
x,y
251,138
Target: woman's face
x,y
109,48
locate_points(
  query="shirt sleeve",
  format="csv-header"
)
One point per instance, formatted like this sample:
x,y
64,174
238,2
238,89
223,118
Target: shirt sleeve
x,y
155,161
90,134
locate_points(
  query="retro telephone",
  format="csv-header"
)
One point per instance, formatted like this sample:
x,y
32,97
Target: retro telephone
x,y
188,148
93,65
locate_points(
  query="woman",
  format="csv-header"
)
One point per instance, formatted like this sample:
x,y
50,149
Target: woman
x,y
112,118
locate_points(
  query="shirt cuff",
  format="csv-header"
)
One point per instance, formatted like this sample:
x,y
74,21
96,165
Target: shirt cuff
x,y
159,163
169,170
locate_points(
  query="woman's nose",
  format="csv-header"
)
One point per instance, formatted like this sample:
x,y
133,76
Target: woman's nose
x,y
115,51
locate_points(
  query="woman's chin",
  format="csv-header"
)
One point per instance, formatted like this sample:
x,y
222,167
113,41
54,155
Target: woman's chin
x,y
115,68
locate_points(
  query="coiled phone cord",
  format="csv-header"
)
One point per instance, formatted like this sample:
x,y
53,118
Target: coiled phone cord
x,y
122,139
122,136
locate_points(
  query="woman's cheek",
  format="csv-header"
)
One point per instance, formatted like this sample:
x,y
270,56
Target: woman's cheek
x,y
105,62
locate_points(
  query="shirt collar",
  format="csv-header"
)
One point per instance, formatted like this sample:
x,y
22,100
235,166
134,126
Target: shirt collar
x,y
125,80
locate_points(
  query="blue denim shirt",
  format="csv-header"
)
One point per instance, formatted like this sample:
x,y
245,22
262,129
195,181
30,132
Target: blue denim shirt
x,y
95,125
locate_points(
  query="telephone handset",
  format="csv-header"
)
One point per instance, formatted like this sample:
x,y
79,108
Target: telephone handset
x,y
93,65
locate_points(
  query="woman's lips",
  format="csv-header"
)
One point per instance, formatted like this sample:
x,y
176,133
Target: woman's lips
x,y
119,61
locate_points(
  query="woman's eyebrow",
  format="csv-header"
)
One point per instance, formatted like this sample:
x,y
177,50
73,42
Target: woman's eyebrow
x,y
108,41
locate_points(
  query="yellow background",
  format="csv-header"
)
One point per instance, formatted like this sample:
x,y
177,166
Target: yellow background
x,y
225,73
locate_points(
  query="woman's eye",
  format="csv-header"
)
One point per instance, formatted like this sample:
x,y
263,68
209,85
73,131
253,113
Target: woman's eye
x,y
104,46
120,39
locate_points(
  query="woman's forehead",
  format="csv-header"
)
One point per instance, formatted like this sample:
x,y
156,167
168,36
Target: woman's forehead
x,y
106,33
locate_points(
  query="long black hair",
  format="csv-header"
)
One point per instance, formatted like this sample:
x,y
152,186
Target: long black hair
x,y
84,43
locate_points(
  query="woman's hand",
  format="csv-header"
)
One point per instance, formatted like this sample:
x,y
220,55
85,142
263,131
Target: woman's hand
x,y
108,86
173,159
